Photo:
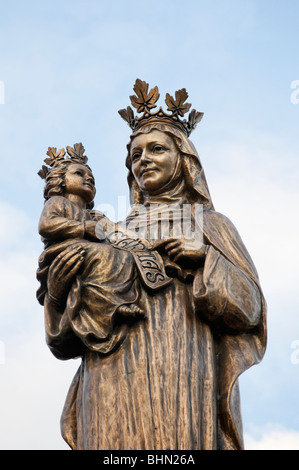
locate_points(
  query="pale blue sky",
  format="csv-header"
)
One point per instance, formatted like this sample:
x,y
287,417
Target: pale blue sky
x,y
67,67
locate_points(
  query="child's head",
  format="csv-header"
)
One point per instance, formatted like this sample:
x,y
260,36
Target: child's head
x,y
69,177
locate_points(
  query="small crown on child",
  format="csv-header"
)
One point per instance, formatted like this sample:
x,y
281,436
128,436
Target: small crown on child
x,y
144,101
55,157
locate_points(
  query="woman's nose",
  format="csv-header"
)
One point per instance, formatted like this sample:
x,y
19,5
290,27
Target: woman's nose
x,y
145,156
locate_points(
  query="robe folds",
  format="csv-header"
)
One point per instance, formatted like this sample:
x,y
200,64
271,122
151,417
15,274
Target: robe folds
x,y
172,381
107,280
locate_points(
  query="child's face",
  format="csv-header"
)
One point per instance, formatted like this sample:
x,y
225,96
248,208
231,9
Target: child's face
x,y
80,181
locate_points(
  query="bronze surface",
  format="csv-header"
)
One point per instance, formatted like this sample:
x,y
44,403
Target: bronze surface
x,y
164,325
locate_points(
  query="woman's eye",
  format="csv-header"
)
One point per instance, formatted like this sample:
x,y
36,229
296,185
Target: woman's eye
x,y
158,148
78,173
135,156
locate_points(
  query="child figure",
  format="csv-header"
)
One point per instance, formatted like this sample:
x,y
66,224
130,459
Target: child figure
x,y
105,289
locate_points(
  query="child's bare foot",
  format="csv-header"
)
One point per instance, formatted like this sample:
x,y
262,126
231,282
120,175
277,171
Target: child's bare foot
x,y
130,310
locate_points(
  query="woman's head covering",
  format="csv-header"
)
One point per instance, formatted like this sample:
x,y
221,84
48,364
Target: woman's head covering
x,y
193,172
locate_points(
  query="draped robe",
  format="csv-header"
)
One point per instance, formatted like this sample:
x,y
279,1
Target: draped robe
x,y
170,380
173,381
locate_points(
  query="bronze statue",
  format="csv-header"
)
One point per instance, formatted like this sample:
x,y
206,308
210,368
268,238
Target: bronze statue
x,y
165,321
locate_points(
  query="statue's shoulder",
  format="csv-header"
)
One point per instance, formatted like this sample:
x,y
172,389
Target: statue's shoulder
x,y
217,219
56,200
223,234
55,203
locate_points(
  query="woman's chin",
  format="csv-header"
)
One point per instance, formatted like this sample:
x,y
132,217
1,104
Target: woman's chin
x,y
150,185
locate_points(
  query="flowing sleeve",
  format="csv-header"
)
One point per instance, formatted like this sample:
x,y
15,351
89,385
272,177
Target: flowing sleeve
x,y
54,225
226,290
225,294
60,337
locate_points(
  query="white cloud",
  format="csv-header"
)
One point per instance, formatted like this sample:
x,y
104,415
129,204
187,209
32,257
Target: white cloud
x,y
253,187
18,265
18,286
33,388
33,383
14,223
272,437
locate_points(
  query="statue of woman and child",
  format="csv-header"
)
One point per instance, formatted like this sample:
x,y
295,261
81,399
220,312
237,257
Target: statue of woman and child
x,y
164,323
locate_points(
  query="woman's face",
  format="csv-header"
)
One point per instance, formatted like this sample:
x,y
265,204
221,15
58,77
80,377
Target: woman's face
x,y
154,158
79,180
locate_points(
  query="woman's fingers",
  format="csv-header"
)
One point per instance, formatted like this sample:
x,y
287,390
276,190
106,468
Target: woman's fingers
x,y
75,268
69,252
63,269
174,248
175,252
67,257
68,263
173,244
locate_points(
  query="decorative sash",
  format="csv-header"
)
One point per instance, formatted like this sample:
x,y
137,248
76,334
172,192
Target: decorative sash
x,y
149,262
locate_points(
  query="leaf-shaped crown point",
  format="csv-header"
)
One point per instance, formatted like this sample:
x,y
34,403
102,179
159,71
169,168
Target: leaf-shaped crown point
x,y
194,118
54,156
144,101
127,114
43,172
77,153
177,105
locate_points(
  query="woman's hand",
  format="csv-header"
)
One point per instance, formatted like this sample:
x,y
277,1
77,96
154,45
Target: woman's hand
x,y
62,272
183,251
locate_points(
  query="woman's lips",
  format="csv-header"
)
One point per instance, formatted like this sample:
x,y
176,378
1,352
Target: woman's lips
x,y
147,170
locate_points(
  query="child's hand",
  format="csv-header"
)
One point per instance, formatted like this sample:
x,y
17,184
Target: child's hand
x,y
96,215
90,230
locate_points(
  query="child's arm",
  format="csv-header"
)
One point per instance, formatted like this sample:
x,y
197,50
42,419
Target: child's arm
x,y
99,226
54,226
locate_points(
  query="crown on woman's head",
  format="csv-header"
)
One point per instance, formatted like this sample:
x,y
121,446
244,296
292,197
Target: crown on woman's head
x,y
144,101
74,154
